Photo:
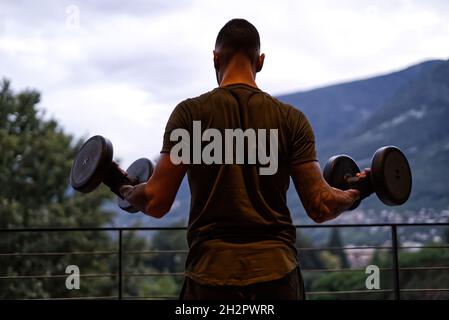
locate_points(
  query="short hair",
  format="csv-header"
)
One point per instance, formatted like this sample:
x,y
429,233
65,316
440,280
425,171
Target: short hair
x,y
238,36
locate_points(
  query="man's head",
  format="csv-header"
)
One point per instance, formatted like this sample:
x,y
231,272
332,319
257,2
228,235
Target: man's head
x,y
238,39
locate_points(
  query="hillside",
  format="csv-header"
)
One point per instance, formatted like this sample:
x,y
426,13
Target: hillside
x,y
416,119
408,108
335,109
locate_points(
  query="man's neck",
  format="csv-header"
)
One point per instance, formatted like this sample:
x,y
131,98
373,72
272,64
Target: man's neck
x,y
239,70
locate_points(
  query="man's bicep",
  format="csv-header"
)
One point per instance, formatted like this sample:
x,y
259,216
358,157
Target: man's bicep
x,y
302,139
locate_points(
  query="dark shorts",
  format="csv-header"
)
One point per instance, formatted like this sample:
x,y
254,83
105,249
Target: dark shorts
x,y
290,287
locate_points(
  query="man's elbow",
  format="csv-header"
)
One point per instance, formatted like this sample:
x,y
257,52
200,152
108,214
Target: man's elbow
x,y
157,209
317,218
320,215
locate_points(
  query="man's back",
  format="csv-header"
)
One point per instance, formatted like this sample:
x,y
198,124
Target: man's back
x,y
240,234
240,230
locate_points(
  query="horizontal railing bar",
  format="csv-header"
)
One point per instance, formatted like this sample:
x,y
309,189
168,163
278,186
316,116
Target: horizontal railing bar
x,y
18,254
372,247
99,229
50,276
381,269
26,254
424,268
340,270
424,247
426,290
155,251
155,274
367,225
350,291
73,298
377,290
102,275
308,293
312,226
343,248
15,254
151,297
88,298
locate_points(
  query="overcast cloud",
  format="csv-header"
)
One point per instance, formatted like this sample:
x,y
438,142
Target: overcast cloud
x,y
125,67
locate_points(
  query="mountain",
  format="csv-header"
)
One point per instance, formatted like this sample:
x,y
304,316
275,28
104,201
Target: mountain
x,y
408,109
335,109
416,119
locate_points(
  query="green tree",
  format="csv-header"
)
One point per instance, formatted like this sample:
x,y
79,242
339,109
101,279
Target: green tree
x,y
35,160
336,242
144,277
308,259
422,269
172,247
446,235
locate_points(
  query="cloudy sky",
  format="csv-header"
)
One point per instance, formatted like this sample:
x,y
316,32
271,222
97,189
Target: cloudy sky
x,y
118,68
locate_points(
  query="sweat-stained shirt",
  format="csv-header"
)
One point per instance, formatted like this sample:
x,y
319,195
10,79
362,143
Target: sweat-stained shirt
x,y
240,231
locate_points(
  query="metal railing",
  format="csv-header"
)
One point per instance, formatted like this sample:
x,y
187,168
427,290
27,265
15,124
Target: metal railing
x,y
120,253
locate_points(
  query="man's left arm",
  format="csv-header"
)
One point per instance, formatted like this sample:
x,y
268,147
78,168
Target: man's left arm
x,y
156,196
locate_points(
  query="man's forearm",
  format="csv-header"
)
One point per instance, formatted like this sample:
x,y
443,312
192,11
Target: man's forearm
x,y
321,201
327,203
141,198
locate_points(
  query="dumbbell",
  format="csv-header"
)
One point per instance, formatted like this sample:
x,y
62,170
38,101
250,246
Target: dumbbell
x,y
390,176
94,165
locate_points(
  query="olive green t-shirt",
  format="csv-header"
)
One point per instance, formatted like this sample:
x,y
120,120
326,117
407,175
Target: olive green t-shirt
x,y
240,231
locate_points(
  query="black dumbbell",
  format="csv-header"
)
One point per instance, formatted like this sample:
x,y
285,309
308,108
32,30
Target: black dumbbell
x,y
390,176
94,164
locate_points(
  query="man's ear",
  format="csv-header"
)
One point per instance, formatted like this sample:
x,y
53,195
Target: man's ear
x,y
260,61
216,60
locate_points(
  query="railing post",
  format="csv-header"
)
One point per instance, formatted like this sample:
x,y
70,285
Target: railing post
x,y
120,264
394,244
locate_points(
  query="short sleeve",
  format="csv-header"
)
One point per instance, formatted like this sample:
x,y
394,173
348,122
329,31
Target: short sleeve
x,y
180,118
302,138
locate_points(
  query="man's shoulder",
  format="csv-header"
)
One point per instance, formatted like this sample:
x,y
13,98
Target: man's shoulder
x,y
197,100
278,102
287,109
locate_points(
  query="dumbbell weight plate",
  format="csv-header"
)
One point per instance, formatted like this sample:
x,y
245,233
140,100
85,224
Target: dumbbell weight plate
x,y
139,171
391,175
337,169
91,163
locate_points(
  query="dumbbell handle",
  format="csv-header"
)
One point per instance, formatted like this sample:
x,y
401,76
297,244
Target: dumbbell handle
x,y
116,177
363,185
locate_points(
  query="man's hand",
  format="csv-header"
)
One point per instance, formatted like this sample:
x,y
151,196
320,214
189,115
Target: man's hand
x,y
364,185
364,173
343,201
126,190
135,195
346,197
156,196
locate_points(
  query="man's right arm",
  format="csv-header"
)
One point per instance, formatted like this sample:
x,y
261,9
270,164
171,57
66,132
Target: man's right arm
x,y
321,201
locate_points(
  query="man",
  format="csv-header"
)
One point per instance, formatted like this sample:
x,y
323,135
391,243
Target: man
x,y
240,233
